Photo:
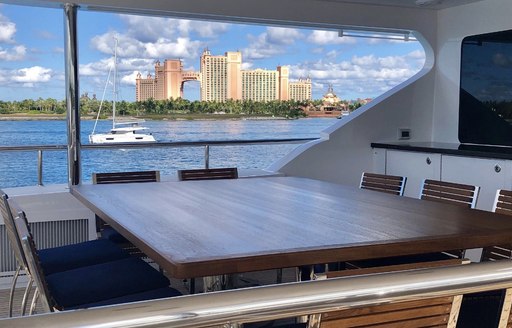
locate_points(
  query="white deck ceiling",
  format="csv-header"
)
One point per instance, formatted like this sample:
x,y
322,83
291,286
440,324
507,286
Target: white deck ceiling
x,y
432,4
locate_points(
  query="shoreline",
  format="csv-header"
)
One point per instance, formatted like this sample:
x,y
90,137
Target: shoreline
x,y
56,117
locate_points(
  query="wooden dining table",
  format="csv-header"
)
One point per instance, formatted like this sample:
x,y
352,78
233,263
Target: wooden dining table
x,y
215,227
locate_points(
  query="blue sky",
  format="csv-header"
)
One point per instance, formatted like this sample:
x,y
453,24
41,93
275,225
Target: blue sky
x,y
32,63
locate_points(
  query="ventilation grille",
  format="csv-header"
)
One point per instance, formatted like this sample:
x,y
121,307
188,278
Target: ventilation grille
x,y
46,235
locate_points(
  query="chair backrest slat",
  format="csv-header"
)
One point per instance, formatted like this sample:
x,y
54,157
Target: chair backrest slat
x,y
430,312
34,267
208,174
385,183
122,177
502,205
126,177
503,202
12,232
449,192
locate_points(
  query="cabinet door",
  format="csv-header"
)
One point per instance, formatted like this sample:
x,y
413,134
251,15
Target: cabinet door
x,y
489,174
415,166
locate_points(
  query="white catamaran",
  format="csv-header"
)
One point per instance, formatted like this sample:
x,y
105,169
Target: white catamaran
x,y
121,132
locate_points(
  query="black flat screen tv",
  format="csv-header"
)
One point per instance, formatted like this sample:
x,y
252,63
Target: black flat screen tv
x,y
485,108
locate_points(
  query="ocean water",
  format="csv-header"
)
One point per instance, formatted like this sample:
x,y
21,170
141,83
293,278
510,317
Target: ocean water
x,y
20,168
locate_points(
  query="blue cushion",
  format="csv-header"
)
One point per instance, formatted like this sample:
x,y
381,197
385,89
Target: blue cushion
x,y
104,281
405,259
74,256
144,296
111,234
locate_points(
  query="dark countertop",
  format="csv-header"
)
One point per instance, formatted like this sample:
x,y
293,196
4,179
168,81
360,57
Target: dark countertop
x,y
449,148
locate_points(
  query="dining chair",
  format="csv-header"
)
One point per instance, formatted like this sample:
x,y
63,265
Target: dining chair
x,y
492,306
449,192
425,312
391,184
502,205
126,177
437,191
102,228
208,174
385,183
56,259
125,280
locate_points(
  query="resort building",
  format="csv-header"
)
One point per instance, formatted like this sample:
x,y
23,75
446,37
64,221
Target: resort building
x,y
300,90
167,83
260,85
222,78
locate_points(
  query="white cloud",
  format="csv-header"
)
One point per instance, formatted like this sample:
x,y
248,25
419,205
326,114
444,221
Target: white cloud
x,y
203,28
7,30
247,65
96,68
161,48
30,76
283,35
329,38
274,41
368,75
149,29
124,65
13,54
180,48
332,54
417,54
129,79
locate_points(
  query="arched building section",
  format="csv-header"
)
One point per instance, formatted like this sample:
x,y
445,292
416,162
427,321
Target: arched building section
x,y
222,78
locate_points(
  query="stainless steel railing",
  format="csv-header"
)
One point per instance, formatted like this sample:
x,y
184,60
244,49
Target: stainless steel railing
x,y
230,308
40,149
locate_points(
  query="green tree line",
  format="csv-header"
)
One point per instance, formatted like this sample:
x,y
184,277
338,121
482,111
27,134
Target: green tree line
x,y
151,107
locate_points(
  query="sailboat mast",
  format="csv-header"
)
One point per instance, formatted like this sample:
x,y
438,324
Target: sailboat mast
x,y
115,87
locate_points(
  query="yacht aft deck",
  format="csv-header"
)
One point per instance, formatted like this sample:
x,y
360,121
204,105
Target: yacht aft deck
x,y
426,105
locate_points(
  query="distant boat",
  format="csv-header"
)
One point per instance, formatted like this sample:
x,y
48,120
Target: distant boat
x,y
121,132
343,113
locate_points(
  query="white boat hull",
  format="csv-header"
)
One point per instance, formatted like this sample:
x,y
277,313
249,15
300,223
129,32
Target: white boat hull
x,y
120,138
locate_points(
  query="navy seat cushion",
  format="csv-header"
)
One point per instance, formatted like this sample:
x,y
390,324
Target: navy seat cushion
x,y
406,259
111,234
144,296
103,281
74,256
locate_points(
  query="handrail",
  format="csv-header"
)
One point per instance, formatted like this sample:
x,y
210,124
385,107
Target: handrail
x,y
229,308
176,144
199,143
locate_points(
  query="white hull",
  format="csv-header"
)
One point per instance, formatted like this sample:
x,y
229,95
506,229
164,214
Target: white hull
x,y
120,138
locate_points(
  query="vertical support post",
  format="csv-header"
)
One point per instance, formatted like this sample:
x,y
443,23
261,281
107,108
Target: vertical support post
x,y
72,93
40,167
207,156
